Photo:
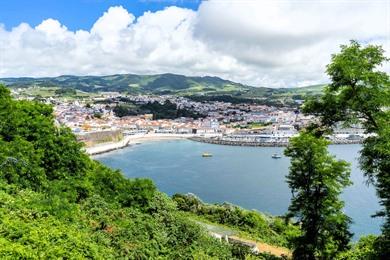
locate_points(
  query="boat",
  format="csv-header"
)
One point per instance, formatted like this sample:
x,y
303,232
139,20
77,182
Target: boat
x,y
276,156
207,155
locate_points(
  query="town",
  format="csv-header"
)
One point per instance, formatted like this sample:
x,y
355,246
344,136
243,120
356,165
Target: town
x,y
95,120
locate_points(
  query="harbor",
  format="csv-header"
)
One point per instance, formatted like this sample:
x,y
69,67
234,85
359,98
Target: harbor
x,y
242,175
256,143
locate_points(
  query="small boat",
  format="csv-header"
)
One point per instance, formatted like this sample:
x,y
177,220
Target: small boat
x,y
207,155
276,156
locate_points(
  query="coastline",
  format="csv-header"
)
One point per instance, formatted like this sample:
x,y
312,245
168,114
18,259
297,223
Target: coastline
x,y
134,139
131,140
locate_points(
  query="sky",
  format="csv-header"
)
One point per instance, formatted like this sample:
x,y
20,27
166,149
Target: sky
x,y
260,43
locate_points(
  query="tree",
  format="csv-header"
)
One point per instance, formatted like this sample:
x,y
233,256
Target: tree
x,y
360,93
316,179
56,202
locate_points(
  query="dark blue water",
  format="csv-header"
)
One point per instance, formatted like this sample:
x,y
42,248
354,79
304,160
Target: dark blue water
x,y
246,176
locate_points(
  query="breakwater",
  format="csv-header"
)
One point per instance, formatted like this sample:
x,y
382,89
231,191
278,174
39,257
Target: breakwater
x,y
238,143
260,144
128,140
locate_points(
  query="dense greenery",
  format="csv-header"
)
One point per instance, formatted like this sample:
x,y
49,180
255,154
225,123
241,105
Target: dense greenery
x,y
66,92
363,249
269,229
316,180
360,93
168,110
162,83
236,100
55,202
172,84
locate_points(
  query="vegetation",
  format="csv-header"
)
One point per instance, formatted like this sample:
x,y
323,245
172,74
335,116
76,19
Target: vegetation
x,y
360,93
159,84
208,88
363,249
273,230
168,110
316,180
58,203
66,92
236,99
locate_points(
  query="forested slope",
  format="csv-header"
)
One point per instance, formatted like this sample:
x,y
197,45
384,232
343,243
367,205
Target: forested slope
x,y
57,202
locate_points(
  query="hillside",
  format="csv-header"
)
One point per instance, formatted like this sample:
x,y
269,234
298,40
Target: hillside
x,y
58,203
158,84
163,83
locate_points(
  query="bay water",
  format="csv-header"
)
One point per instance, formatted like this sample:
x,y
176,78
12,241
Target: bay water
x,y
245,176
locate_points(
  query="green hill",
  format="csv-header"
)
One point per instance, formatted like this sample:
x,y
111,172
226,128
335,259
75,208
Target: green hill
x,y
163,83
158,84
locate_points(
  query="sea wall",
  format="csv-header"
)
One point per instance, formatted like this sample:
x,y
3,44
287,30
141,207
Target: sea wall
x,y
237,143
132,139
259,144
95,138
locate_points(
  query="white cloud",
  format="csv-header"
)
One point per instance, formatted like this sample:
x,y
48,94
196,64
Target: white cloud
x,y
261,43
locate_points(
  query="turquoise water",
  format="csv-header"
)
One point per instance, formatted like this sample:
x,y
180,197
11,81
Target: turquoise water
x,y
246,176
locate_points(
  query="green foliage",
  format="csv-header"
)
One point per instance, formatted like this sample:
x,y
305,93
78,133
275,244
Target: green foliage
x,y
216,88
360,92
34,226
97,115
57,203
168,110
66,92
269,229
316,180
168,83
122,110
363,249
234,99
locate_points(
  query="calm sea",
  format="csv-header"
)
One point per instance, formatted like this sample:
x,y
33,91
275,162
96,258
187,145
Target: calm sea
x,y
246,176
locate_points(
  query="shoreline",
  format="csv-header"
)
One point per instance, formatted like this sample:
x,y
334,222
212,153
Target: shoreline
x,y
134,139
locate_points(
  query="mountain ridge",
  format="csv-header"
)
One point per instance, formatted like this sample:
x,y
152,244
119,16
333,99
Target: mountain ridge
x,y
166,83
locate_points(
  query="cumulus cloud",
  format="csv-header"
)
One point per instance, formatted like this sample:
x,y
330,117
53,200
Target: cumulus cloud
x,y
261,43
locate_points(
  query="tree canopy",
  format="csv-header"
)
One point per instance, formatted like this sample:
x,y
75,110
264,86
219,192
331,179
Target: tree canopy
x,y
316,179
56,202
359,93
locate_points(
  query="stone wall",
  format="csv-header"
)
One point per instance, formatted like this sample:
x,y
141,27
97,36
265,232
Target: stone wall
x,y
94,138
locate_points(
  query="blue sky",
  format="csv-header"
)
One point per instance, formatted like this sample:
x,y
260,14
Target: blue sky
x,y
273,43
77,14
